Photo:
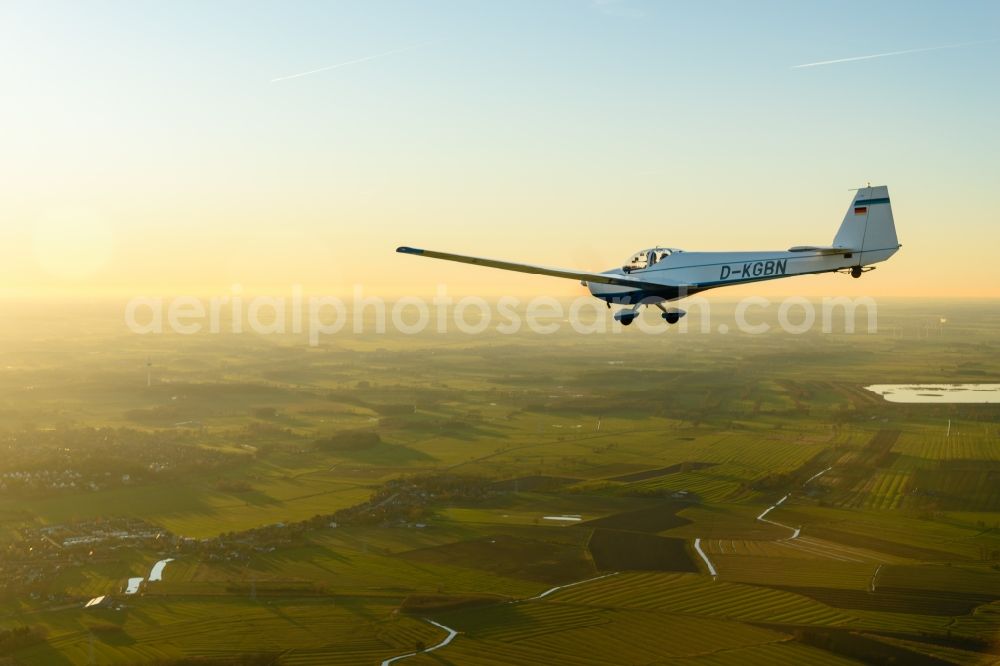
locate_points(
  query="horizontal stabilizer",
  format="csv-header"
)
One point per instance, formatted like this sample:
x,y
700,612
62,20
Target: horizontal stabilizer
x,y
822,249
585,276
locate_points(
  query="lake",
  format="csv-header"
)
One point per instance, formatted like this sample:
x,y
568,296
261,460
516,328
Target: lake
x,y
939,393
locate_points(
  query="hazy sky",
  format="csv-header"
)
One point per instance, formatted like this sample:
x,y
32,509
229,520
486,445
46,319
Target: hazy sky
x,y
146,147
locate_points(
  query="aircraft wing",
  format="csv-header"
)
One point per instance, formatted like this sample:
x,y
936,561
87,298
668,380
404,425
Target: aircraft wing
x,y
822,249
585,276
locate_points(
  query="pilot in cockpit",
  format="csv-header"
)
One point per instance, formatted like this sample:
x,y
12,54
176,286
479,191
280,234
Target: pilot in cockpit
x,y
645,258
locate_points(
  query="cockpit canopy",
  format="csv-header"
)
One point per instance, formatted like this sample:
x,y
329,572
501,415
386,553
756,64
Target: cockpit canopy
x,y
646,258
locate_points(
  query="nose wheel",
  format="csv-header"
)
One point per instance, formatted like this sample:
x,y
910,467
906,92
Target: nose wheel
x,y
856,271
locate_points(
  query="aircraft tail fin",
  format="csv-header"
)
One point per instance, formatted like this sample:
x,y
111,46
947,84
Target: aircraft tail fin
x,y
868,227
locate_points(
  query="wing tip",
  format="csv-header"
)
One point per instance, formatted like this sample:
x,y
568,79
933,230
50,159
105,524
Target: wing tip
x,y
408,250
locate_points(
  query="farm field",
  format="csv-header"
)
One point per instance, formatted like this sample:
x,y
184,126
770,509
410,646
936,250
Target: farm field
x,y
728,499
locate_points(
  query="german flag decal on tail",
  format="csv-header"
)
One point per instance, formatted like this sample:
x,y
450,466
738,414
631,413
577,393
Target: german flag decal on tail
x,y
860,210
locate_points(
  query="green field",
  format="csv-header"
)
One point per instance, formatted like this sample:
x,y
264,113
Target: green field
x,y
587,456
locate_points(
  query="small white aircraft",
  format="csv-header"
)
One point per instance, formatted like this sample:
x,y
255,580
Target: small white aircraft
x,y
660,274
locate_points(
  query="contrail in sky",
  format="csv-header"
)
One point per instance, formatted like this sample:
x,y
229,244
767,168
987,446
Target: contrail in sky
x,y
891,53
346,63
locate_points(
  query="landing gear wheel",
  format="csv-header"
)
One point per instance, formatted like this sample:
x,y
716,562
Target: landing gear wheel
x,y
671,316
625,317
856,271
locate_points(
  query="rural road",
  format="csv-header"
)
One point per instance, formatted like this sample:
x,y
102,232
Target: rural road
x,y
447,639
452,633
796,531
704,557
